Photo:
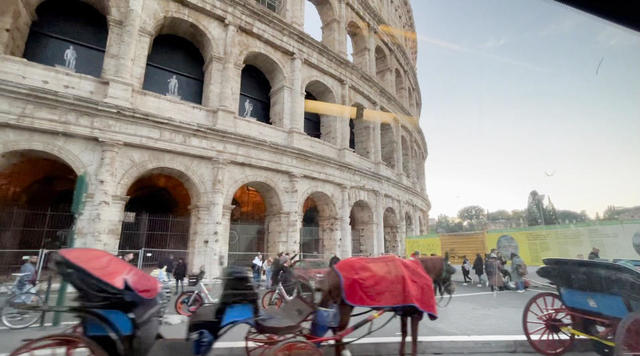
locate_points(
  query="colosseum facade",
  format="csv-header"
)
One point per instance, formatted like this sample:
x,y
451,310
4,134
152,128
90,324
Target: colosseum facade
x,y
214,126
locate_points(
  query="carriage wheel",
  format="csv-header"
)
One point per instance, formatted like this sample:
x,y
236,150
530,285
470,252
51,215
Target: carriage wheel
x,y
67,344
628,336
271,299
182,303
542,320
294,348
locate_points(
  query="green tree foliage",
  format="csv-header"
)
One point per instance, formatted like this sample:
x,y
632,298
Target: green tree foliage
x,y
445,225
550,214
499,215
473,217
571,217
535,209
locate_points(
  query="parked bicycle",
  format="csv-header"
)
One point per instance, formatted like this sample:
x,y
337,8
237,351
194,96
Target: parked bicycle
x,y
18,309
188,302
275,297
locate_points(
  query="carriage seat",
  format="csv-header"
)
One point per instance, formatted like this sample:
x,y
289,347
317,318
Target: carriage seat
x,y
285,320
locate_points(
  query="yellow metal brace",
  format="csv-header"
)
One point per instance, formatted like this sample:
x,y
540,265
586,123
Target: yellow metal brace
x,y
580,333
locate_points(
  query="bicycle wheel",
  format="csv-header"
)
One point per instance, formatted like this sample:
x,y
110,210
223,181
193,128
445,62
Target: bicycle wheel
x,y
186,308
21,310
66,344
271,299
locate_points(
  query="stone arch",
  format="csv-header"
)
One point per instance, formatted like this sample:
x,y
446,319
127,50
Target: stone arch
x,y
391,229
362,132
421,225
319,91
362,229
356,36
329,21
408,224
382,64
387,143
105,7
272,70
73,37
36,194
267,186
64,154
319,225
176,23
256,221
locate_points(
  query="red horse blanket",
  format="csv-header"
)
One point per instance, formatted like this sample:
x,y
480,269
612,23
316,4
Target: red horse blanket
x,y
387,281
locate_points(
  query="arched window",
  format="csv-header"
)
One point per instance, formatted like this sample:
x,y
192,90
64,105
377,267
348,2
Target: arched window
x,y
388,143
72,36
254,94
356,45
406,157
174,68
312,120
352,134
381,64
312,21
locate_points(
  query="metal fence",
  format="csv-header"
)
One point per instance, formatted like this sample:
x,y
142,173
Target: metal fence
x,y
23,229
154,231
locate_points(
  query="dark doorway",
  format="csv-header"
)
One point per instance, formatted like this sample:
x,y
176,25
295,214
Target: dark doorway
x,y
311,120
255,89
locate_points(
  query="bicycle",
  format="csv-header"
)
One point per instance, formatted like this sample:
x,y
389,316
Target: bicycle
x,y
18,309
275,297
190,301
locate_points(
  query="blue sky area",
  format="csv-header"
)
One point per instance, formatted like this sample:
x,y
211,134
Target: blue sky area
x,y
522,95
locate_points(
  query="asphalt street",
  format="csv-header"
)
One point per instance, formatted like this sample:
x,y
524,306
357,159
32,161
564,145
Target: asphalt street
x,y
475,316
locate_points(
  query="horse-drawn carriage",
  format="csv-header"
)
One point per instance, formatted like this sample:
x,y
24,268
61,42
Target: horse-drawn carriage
x,y
596,300
120,310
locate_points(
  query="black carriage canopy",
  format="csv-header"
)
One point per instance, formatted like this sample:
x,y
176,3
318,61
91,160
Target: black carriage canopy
x,y
594,276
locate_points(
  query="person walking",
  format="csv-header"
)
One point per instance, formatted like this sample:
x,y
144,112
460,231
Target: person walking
x,y
168,262
478,266
594,254
518,271
494,276
466,270
179,272
256,267
268,264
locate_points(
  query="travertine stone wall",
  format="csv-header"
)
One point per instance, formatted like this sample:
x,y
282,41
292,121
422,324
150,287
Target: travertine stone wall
x,y
114,132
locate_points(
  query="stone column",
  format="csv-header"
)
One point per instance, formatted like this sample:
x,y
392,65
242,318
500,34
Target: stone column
x,y
345,228
227,103
210,87
341,41
17,21
343,121
127,48
295,13
223,236
397,145
296,116
118,58
100,222
378,219
143,47
372,50
200,237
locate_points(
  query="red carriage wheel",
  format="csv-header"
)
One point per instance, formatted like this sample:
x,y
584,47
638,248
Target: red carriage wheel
x,y
271,301
294,348
543,320
183,307
70,344
628,336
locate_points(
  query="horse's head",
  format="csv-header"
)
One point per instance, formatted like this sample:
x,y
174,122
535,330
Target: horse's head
x,y
440,271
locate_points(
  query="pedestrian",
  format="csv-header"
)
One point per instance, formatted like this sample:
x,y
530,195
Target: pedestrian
x,y
276,266
160,273
256,267
478,266
128,257
518,271
268,264
494,276
168,262
30,274
179,272
594,254
466,270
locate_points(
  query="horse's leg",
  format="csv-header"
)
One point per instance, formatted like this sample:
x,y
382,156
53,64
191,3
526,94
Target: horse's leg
x,y
403,330
415,320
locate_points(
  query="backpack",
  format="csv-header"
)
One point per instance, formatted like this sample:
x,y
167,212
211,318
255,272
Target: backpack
x,y
521,268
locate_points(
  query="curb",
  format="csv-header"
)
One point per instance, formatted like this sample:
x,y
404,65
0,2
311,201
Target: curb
x,y
389,346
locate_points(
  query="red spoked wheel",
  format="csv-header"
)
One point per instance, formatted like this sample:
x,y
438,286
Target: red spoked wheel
x,y
257,344
294,348
628,336
66,344
543,318
271,299
185,305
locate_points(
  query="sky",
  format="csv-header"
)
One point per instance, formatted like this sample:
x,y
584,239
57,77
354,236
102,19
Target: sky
x,y
523,95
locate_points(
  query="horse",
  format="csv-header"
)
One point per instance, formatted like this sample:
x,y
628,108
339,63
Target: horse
x,y
437,267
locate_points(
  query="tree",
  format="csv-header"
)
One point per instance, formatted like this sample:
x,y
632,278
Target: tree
x,y
611,213
499,215
473,217
535,209
571,217
445,225
550,214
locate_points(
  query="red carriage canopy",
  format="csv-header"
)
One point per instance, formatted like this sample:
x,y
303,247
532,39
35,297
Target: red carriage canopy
x,y
386,282
112,270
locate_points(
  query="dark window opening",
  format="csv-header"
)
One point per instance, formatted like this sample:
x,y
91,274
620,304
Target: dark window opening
x,y
174,68
254,95
72,36
311,120
352,134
